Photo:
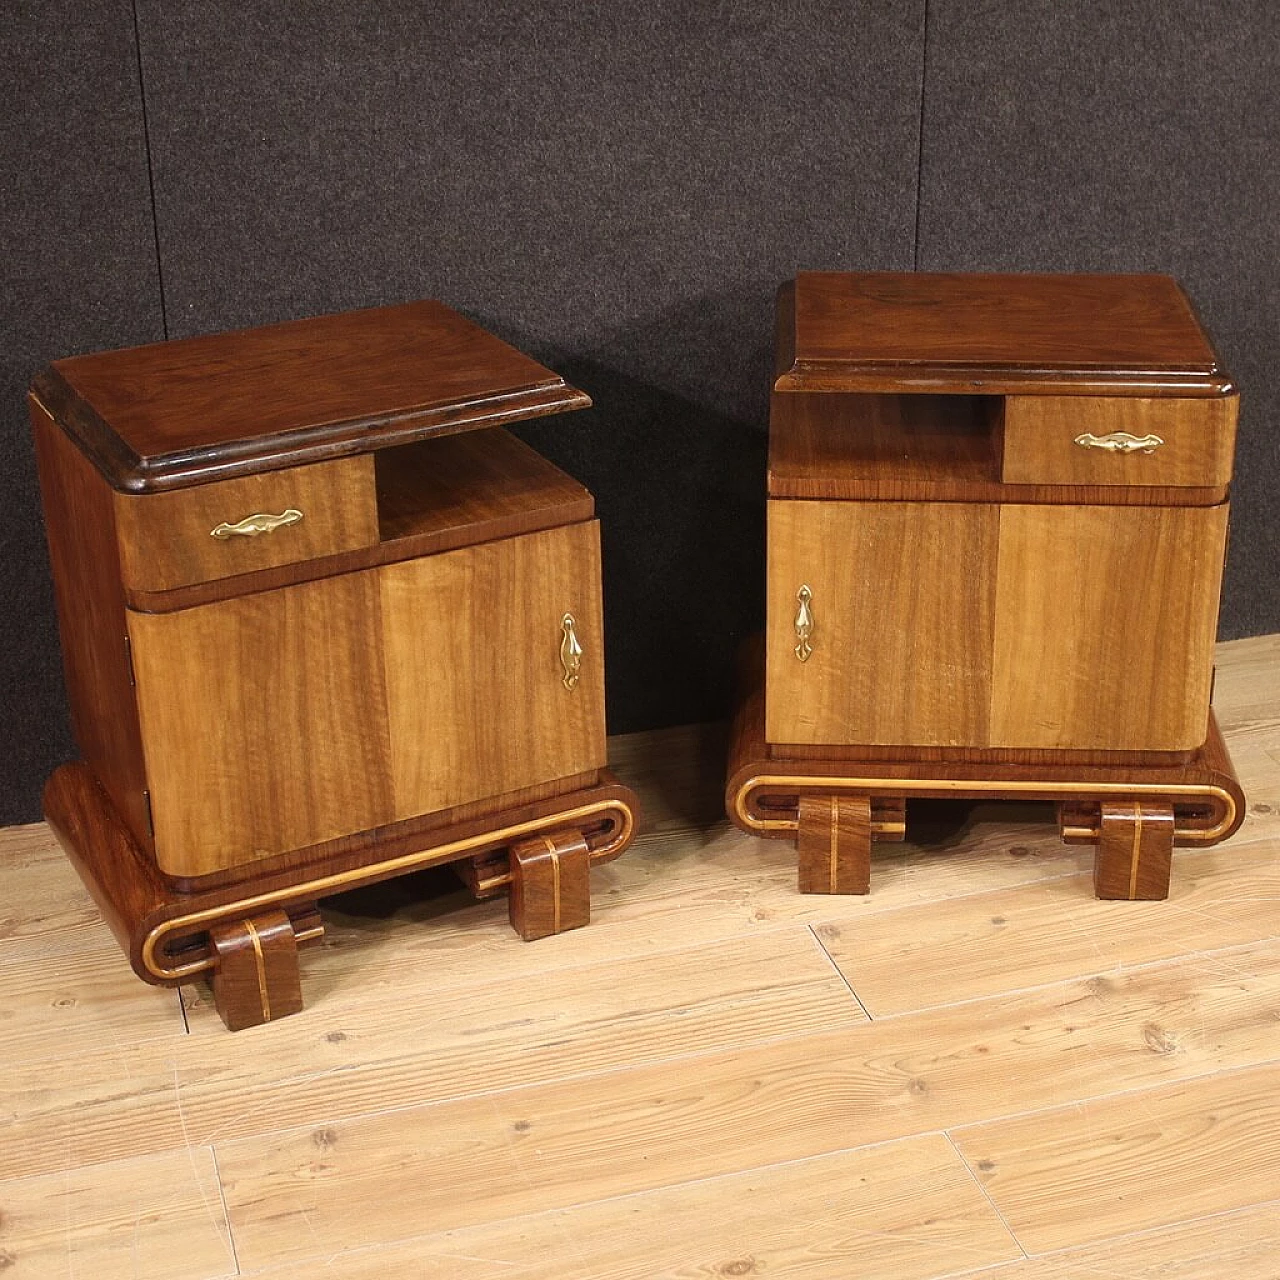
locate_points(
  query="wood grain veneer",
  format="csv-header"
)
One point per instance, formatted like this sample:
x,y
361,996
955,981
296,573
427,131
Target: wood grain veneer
x,y
472,640
81,529
166,538
189,411
265,722
1053,334
1198,438
1104,626
948,448
903,611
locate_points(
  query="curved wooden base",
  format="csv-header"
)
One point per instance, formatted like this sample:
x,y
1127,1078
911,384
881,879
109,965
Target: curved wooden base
x,y
835,807
245,935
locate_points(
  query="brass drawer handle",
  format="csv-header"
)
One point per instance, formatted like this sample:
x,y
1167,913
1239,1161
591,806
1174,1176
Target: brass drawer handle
x,y
804,624
1119,442
570,652
253,525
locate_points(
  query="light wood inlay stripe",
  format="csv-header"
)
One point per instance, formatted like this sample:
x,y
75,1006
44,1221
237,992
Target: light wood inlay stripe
x,y
834,863
261,961
555,882
1136,855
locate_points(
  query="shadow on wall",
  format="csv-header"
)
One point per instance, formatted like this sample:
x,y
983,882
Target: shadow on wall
x,y
679,490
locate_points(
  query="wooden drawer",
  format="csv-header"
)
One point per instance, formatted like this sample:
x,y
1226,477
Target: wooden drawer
x,y
1124,440
174,539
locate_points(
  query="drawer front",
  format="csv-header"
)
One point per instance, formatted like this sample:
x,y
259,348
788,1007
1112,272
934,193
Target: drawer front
x,y
1119,440
217,530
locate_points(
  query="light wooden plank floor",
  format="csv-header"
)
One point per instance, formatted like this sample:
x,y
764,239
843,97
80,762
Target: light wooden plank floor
x,y
978,1070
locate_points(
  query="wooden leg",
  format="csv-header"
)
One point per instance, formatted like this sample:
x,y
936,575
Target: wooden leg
x,y
1135,849
834,844
550,885
257,978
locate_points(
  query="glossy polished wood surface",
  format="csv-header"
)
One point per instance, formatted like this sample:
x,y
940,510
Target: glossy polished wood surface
x,y
1194,440
189,411
1060,334
434,495
81,531
961,448
1105,623
472,640
903,606
166,539
265,722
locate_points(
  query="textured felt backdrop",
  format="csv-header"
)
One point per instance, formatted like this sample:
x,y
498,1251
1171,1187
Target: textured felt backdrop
x,y
617,189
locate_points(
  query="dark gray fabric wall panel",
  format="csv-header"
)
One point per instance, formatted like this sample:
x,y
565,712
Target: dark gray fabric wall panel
x,y
79,273
1103,136
615,189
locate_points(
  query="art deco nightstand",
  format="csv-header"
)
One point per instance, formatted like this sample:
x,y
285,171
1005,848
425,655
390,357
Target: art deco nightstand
x,y
324,622
996,525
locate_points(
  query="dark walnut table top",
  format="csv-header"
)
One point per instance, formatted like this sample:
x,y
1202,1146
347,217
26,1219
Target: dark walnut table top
x,y
179,413
996,334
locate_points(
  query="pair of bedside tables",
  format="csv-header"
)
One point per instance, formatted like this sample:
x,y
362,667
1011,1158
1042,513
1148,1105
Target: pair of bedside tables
x,y
325,622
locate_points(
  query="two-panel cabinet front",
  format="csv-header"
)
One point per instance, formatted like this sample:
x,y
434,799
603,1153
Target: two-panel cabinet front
x,y
987,625
281,719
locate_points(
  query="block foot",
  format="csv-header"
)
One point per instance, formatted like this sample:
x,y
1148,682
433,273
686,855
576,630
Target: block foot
x,y
256,977
833,844
550,885
1135,850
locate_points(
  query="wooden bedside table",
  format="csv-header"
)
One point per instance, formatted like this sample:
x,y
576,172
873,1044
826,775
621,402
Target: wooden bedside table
x,y
315,636
996,528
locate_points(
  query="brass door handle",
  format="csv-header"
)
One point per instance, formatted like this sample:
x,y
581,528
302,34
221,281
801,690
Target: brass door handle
x,y
570,652
804,624
252,526
1119,442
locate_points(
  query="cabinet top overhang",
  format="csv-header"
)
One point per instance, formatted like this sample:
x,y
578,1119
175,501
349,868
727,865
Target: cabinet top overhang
x,y
992,334
179,413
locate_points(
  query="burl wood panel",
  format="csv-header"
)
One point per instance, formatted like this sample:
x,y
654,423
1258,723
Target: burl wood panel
x,y
903,603
91,619
1105,621
833,844
472,641
888,331
1135,852
265,722
184,412
257,978
166,538
1198,438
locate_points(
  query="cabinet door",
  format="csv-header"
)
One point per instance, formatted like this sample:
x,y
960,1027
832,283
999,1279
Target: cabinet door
x,y
263,722
902,600
1105,622
477,699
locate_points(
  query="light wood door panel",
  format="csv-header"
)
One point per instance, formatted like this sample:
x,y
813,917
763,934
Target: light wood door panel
x,y
903,606
264,722
1105,622
476,698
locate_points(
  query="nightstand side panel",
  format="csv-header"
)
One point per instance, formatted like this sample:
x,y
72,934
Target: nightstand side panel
x,y
80,526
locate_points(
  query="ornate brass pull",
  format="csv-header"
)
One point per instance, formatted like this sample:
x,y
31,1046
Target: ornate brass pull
x,y
804,624
1119,442
570,652
253,525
